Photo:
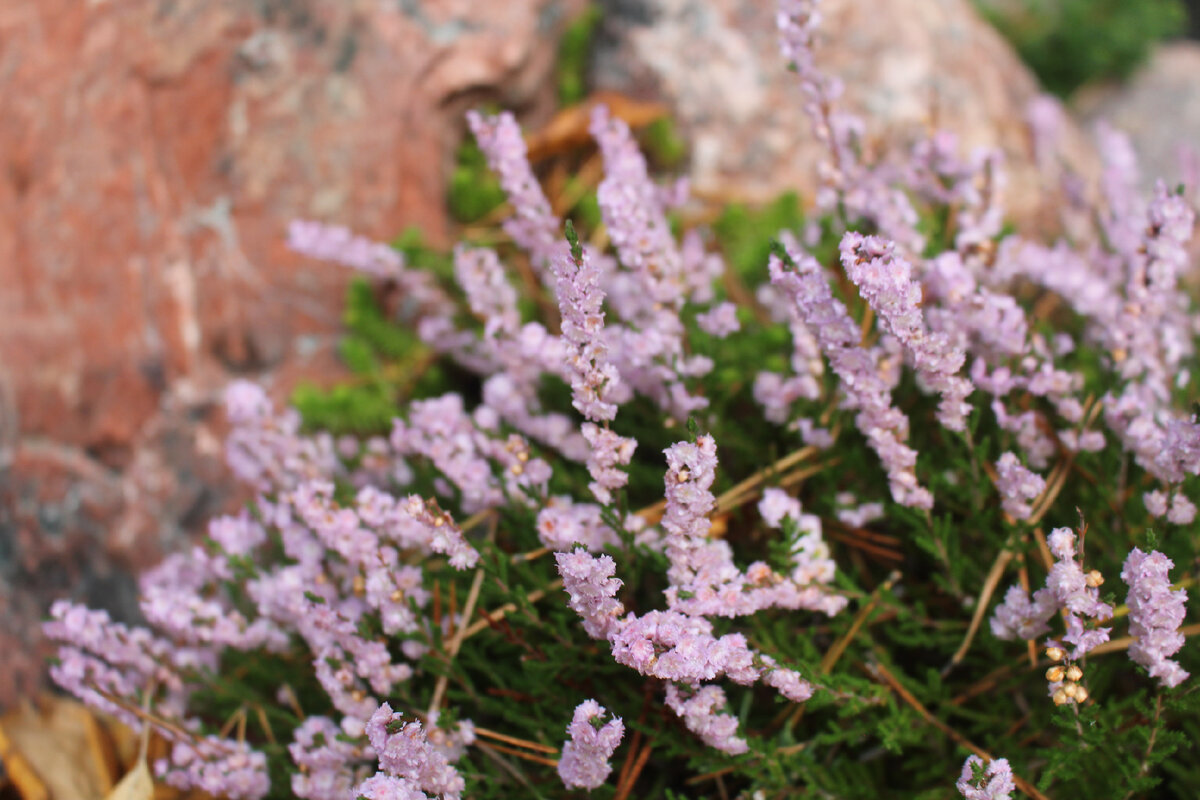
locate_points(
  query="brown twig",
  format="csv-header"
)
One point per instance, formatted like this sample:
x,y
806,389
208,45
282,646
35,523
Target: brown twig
x,y
490,618
439,689
504,737
989,587
624,790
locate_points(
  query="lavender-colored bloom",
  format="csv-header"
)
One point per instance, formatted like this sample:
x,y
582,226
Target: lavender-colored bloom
x,y
885,427
584,761
324,760
581,303
700,714
219,767
562,523
993,783
405,752
533,226
885,281
589,582
382,786
1018,486
848,185
1155,614
650,354
1068,590
719,321
489,294
1183,510
1019,618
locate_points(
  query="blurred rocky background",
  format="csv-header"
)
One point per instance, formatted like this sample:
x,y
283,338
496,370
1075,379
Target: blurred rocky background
x,y
152,153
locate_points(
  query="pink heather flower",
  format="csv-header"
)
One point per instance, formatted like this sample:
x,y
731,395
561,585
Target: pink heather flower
x,y
1019,618
691,469
995,782
1183,510
266,450
533,226
324,761
1066,590
219,767
335,243
562,523
610,451
381,786
1155,502
719,321
885,281
489,294
422,295
777,504
405,752
1017,485
634,214
1155,614
788,682
584,761
581,304
856,516
848,185
700,713
589,582
886,428
650,353
464,448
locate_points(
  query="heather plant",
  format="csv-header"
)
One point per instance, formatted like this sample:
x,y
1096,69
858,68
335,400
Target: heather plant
x,y
873,498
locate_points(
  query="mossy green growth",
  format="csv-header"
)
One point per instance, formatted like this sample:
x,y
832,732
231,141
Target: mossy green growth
x,y
574,56
663,143
745,234
474,190
1072,42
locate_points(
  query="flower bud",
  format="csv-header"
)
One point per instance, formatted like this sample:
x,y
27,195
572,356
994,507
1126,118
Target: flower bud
x,y
1074,673
1055,653
1094,578
1054,674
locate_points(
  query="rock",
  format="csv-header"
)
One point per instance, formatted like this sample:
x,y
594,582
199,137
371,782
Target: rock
x,y
1159,108
909,66
152,156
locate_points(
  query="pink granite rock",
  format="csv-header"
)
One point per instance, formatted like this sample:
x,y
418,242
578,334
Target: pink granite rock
x,y
151,156
909,66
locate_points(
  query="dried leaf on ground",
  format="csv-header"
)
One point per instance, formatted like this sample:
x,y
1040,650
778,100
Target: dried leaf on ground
x,y
568,130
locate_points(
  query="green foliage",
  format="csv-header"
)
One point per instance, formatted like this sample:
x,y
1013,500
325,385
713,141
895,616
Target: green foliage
x,y
1072,42
663,144
574,56
474,191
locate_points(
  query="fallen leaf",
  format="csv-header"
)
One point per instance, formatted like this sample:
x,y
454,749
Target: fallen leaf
x,y
58,740
568,130
136,785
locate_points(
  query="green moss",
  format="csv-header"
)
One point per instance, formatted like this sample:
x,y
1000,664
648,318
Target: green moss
x,y
574,56
1072,42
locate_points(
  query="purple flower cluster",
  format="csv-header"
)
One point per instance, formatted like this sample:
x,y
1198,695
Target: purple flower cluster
x,y
865,389
678,644
411,765
533,224
993,783
1155,614
1018,486
584,761
1068,589
885,281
